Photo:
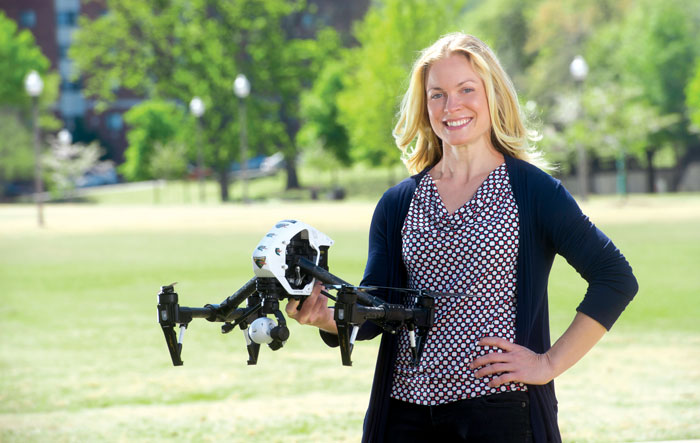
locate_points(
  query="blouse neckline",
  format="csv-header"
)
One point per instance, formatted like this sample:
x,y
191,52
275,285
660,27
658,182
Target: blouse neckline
x,y
476,201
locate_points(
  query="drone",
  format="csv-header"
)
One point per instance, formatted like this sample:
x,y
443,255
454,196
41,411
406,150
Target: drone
x,y
286,263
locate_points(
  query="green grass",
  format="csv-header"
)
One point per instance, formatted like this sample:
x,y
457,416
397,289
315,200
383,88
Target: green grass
x,y
83,358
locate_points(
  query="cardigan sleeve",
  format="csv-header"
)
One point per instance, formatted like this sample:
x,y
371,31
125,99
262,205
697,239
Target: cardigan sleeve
x,y
611,283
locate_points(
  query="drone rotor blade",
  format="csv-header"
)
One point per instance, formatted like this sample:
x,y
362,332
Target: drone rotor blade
x,y
353,287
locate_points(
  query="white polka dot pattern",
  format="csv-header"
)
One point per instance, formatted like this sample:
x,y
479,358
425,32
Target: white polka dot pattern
x,y
473,251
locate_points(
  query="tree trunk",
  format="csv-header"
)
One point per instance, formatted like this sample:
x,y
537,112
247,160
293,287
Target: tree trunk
x,y
222,176
691,154
291,125
291,168
677,171
651,173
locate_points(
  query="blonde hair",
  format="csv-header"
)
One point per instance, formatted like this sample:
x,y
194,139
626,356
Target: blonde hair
x,y
509,134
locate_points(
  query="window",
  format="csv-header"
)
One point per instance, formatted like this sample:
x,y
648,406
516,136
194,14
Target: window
x,y
307,20
69,85
27,18
63,51
65,18
114,121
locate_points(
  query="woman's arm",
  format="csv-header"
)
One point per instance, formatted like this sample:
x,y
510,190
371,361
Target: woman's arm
x,y
519,364
611,285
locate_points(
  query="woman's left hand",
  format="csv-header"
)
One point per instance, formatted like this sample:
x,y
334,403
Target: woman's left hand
x,y
515,364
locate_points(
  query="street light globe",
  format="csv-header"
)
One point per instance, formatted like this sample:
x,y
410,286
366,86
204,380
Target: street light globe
x,y
33,83
197,106
241,86
578,68
64,137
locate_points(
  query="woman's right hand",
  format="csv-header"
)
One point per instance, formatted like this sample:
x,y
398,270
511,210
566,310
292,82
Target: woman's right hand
x,y
314,311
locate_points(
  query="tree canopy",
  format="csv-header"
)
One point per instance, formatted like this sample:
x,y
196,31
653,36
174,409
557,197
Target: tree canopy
x,y
179,49
151,122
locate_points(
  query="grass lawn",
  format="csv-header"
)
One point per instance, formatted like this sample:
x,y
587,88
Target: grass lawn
x,y
83,358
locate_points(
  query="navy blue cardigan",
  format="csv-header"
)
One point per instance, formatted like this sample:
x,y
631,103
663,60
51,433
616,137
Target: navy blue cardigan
x,y
550,223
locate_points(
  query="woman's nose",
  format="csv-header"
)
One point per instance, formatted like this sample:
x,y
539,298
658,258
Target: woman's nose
x,y
452,103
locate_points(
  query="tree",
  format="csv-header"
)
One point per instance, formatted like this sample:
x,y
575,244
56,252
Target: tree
x,y
167,162
639,54
151,122
177,49
559,31
614,122
16,154
505,25
377,70
654,51
319,107
692,94
66,163
19,54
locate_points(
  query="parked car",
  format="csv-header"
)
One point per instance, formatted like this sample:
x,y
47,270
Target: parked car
x,y
102,174
259,166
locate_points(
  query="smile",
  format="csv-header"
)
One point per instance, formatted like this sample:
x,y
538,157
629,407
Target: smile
x,y
458,123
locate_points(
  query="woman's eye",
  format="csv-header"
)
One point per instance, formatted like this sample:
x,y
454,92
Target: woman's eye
x,y
436,96
467,90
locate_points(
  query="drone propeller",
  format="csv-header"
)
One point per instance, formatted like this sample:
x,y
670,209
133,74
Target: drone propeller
x,y
417,292
352,287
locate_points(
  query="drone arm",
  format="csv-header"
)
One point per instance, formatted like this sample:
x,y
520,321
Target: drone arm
x,y
228,306
326,277
171,314
187,313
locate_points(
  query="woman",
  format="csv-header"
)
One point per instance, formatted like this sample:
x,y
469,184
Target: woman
x,y
481,220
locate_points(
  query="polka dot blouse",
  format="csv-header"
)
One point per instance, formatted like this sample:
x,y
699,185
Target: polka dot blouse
x,y
473,252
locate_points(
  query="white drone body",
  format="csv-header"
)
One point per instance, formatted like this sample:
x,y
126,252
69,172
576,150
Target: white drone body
x,y
270,256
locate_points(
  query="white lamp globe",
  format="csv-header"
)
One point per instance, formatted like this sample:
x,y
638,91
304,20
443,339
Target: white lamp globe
x,y
64,137
241,86
578,68
197,107
33,83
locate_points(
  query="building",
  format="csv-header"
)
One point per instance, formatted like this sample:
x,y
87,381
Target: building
x,y
53,22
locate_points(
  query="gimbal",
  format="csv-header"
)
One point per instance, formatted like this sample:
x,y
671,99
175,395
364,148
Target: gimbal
x,y
286,263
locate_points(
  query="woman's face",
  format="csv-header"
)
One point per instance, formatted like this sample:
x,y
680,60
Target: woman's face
x,y
457,105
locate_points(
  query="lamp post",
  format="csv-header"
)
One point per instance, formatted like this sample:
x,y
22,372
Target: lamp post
x,y
579,71
241,87
197,109
33,84
621,167
64,137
